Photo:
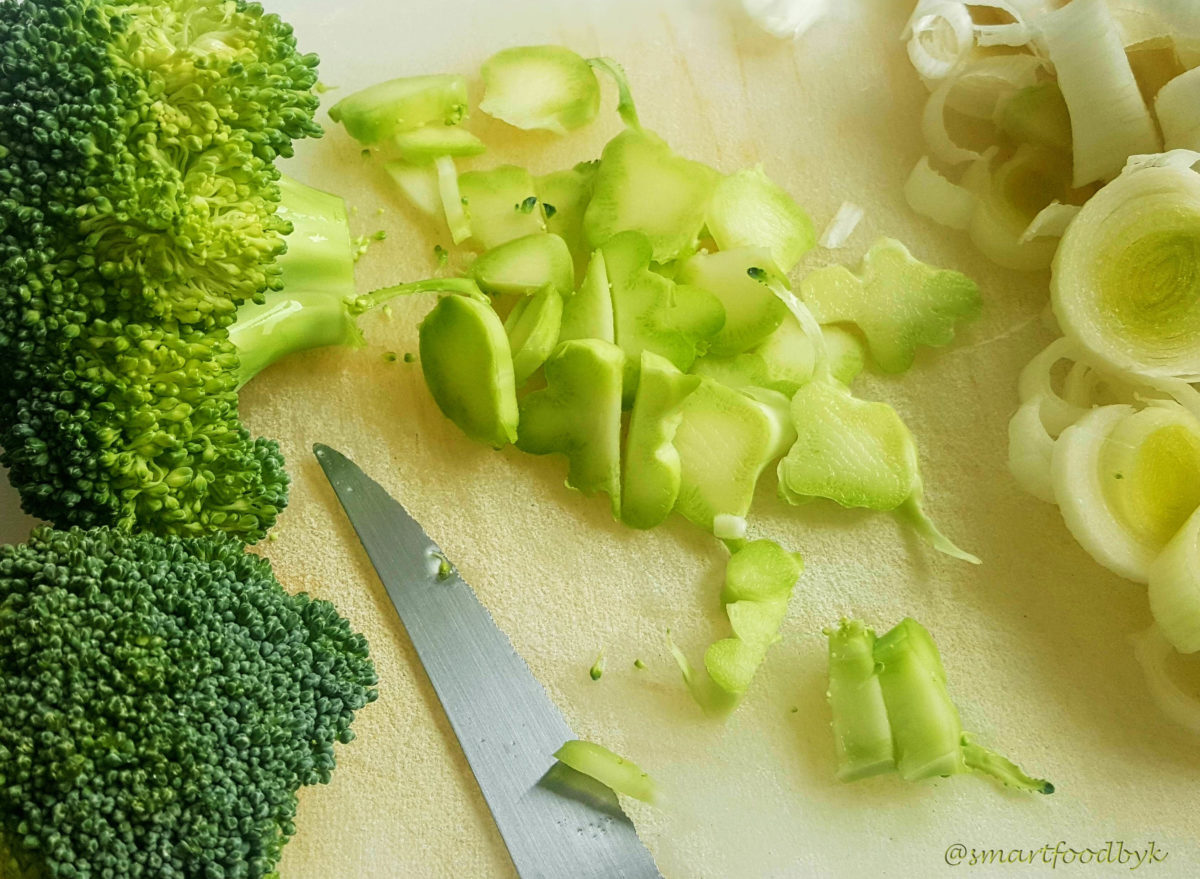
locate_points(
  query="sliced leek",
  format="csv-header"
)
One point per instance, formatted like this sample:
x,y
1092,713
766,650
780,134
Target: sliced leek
x,y
1152,650
1177,106
1109,117
1127,480
1126,280
1174,587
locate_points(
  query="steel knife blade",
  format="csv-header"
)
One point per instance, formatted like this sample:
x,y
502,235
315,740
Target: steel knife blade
x,y
554,826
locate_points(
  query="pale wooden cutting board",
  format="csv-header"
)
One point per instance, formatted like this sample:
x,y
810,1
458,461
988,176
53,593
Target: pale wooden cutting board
x,y
1034,641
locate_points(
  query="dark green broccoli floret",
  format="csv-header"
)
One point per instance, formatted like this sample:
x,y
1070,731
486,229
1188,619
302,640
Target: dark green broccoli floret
x,y
163,699
138,205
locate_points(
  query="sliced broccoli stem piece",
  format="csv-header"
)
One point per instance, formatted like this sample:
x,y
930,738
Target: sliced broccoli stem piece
x,y
588,314
643,185
615,772
382,110
496,202
652,313
748,209
532,328
861,731
889,700
652,468
453,201
899,302
724,440
759,579
540,87
423,145
625,105
926,729
564,196
468,368
752,311
526,266
578,414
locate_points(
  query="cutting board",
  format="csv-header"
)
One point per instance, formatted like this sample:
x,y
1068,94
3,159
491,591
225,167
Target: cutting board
x,y
1034,640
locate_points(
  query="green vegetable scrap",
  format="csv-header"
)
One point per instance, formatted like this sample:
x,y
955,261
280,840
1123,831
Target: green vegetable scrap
x,y
898,302
759,579
164,700
892,710
526,265
606,767
597,669
532,328
423,145
752,311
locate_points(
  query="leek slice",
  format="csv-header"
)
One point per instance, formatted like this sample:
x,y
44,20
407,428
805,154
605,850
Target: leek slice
x,y
842,226
622,775
1127,480
1109,117
932,195
1177,106
540,87
1152,650
939,36
1126,280
785,18
1174,587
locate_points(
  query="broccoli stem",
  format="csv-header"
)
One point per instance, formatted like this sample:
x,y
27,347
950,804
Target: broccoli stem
x,y
317,305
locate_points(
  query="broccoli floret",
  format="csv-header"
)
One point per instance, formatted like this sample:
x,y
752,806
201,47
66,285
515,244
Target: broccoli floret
x,y
164,698
138,205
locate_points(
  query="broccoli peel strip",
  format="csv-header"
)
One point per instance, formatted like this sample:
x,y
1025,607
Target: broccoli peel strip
x,y
164,700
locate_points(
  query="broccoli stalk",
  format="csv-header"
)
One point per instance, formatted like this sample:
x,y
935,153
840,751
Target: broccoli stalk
x,y
164,699
317,305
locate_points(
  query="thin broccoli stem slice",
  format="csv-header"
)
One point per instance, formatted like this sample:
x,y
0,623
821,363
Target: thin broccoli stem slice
x,y
625,105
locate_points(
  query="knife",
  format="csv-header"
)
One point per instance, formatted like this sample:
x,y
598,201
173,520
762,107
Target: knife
x,y
556,823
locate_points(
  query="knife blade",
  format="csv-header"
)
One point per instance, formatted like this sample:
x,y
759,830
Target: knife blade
x,y
555,823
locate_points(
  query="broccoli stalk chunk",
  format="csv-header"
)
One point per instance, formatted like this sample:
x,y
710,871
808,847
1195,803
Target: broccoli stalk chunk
x,y
164,699
892,710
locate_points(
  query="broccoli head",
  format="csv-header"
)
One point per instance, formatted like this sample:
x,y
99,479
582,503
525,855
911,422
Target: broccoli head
x,y
164,698
138,210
